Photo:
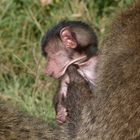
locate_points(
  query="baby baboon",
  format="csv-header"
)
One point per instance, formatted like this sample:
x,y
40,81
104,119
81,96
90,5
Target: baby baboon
x,y
70,42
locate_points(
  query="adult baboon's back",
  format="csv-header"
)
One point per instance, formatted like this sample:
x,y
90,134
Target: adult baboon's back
x,y
117,104
15,125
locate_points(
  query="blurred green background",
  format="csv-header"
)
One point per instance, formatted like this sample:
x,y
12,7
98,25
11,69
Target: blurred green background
x,y
22,25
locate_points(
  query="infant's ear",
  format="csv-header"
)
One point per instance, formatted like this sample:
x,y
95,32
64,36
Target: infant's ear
x,y
68,40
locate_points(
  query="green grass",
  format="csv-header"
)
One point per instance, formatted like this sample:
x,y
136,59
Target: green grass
x,y
22,25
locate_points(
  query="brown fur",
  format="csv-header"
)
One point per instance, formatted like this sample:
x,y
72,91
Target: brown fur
x,y
14,125
117,104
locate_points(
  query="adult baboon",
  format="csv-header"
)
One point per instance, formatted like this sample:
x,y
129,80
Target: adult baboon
x,y
117,103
